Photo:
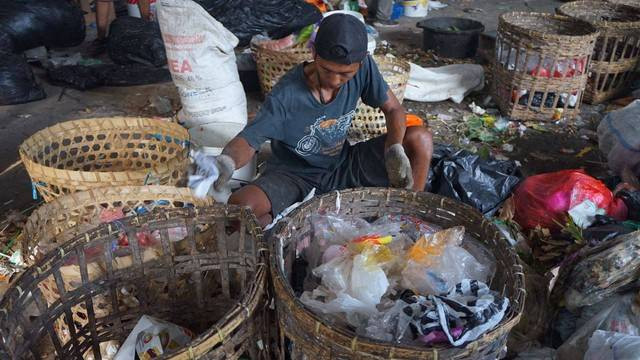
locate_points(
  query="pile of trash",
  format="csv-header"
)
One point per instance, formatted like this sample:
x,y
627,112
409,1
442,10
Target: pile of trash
x,y
399,279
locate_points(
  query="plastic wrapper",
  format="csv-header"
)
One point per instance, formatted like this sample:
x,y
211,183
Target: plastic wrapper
x,y
604,272
151,338
544,200
612,345
619,138
437,262
620,314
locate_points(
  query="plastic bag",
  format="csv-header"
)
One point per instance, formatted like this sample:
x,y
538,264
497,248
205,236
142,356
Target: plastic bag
x,y
619,138
612,345
437,262
278,18
632,200
151,338
83,77
544,200
464,176
604,272
446,82
133,40
34,23
17,83
620,315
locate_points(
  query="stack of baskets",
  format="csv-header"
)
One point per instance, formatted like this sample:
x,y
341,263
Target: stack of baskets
x,y
617,51
541,65
308,336
85,154
368,122
89,294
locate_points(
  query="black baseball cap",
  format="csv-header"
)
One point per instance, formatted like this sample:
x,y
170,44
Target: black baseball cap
x,y
342,39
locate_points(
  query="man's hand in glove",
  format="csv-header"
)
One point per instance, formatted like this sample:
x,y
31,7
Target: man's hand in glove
x,y
398,167
226,166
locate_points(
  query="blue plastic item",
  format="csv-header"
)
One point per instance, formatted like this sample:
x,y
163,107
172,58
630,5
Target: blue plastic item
x,y
398,11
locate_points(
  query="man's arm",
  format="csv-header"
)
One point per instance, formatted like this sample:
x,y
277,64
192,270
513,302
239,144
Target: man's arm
x,y
395,118
145,9
240,151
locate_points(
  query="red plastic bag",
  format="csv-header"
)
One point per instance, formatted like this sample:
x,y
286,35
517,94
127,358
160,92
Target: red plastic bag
x,y
546,198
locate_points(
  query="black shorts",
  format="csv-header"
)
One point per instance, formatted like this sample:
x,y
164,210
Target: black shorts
x,y
362,167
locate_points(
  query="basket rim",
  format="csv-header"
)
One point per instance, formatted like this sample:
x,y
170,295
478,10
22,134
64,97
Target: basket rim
x,y
567,8
140,122
510,18
279,279
218,331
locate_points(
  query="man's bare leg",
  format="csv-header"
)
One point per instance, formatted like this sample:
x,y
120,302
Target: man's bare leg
x,y
256,199
418,144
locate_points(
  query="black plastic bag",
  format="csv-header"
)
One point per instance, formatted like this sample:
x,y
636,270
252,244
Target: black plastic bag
x,y
82,77
134,40
50,23
6,44
278,18
632,200
464,176
17,83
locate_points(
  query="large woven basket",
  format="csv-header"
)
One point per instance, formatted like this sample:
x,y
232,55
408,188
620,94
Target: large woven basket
x,y
308,336
273,64
541,65
84,154
617,50
87,294
67,216
370,122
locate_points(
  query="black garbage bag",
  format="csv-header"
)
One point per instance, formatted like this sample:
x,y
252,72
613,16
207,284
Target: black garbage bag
x,y
632,200
6,44
17,83
83,77
134,40
278,18
464,176
50,23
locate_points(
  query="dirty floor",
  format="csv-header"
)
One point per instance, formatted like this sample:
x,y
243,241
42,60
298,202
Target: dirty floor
x,y
543,147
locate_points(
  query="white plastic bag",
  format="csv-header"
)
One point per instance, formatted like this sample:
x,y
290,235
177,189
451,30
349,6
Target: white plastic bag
x,y
368,282
613,345
153,336
446,82
619,138
202,61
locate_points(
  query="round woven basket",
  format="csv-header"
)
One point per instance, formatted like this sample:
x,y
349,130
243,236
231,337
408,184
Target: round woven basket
x,y
196,273
273,64
84,154
67,216
308,336
370,122
541,65
617,50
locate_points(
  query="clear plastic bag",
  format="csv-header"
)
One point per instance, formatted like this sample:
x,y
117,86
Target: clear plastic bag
x,y
612,345
622,315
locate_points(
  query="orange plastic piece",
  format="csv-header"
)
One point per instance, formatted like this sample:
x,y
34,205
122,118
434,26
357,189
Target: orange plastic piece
x,y
414,120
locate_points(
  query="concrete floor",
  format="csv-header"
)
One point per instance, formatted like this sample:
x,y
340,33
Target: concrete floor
x,y
20,121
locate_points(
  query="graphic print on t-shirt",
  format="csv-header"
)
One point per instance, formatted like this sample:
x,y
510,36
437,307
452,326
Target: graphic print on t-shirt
x,y
325,136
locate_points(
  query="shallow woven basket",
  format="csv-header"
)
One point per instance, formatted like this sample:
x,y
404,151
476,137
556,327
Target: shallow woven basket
x,y
617,50
541,65
370,122
308,336
87,294
67,216
84,154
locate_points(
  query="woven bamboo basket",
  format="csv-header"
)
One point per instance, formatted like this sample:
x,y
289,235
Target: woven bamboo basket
x,y
85,154
370,122
308,336
541,65
273,64
634,3
617,50
89,294
67,216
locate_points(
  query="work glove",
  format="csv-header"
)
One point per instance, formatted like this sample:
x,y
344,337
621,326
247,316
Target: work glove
x,y
398,167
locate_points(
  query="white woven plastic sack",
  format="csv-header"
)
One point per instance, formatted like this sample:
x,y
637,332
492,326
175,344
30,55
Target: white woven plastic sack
x,y
442,83
202,62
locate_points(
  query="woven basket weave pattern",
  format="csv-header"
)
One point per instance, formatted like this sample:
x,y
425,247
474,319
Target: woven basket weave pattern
x,y
541,65
616,53
67,216
83,154
309,337
209,281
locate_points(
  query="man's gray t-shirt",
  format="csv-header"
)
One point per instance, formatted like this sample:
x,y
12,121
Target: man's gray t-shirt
x,y
306,135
